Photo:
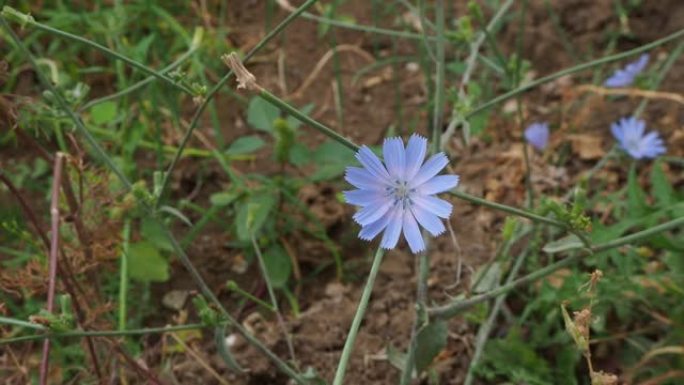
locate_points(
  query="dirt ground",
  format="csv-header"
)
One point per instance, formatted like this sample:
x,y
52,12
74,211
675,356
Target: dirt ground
x,y
369,110
492,168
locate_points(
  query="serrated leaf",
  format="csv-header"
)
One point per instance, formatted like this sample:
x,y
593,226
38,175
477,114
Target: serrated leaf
x,y
261,114
569,242
278,266
430,341
146,264
245,145
103,112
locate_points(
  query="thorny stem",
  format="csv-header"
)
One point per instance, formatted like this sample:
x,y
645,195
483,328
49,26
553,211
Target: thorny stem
x,y
452,309
54,252
358,317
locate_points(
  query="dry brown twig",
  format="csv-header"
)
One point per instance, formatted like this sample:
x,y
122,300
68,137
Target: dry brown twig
x,y
635,92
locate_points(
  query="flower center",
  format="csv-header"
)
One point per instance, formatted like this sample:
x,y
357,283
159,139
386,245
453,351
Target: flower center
x,y
401,193
633,144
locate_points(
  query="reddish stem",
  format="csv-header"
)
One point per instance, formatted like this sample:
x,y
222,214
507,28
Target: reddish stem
x,y
54,251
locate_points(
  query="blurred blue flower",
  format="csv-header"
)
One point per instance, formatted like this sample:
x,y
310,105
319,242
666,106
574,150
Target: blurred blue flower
x,y
629,132
398,195
537,134
625,77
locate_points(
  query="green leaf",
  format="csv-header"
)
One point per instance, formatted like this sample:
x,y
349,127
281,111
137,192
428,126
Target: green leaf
x,y
103,112
252,214
176,213
153,232
146,264
569,242
430,341
661,188
223,198
245,145
300,154
278,266
332,159
261,114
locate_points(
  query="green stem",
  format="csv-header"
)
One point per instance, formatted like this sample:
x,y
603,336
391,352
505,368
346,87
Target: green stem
x,y
274,300
100,333
198,114
233,286
141,83
452,309
18,322
358,317
98,152
507,209
419,322
572,70
112,54
486,328
439,77
276,101
123,274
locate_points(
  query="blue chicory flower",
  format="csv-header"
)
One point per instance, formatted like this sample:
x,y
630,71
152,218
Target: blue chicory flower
x,y
625,77
398,195
537,134
631,135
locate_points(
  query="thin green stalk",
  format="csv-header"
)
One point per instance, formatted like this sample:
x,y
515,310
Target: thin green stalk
x,y
276,101
233,286
95,147
572,70
672,58
486,328
195,119
358,317
452,309
508,209
274,300
440,87
185,260
104,50
142,83
123,274
100,333
420,318
20,323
